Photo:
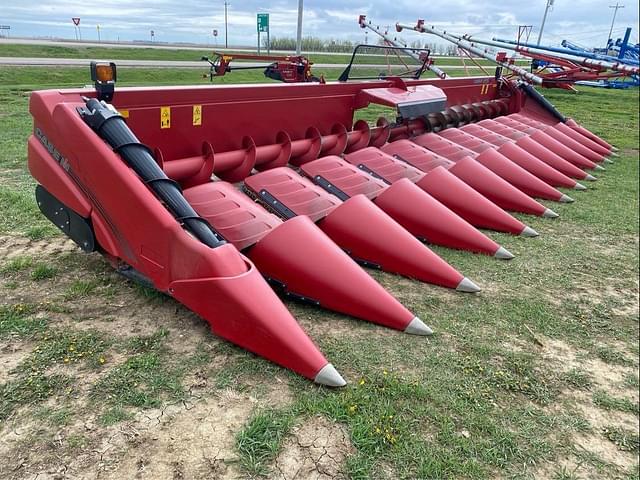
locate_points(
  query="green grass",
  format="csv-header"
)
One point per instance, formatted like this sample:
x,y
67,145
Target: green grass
x,y
608,402
578,379
17,320
80,288
146,379
17,264
477,401
626,440
43,271
114,415
260,440
143,381
28,390
613,356
67,348
54,417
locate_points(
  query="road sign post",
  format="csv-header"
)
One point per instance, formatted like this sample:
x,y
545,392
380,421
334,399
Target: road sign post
x,y
263,27
5,28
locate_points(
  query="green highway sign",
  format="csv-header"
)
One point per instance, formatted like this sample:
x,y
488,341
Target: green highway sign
x,y
263,22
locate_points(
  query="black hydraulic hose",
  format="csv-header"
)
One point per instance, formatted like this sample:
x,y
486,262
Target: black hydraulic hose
x,y
112,128
542,101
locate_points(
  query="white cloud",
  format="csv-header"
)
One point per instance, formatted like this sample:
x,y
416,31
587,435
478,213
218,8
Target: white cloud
x,y
585,21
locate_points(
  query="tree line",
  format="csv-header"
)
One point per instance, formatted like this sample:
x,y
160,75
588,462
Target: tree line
x,y
332,45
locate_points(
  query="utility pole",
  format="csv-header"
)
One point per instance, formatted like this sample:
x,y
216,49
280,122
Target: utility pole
x,y
226,29
544,19
613,20
299,36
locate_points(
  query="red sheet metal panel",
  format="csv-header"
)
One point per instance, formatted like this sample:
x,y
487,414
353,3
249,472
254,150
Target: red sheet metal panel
x,y
385,166
296,192
240,220
412,207
372,236
344,176
443,147
504,127
427,218
309,264
415,155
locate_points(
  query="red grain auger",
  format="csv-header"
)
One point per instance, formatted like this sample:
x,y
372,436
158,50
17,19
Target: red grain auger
x,y
221,196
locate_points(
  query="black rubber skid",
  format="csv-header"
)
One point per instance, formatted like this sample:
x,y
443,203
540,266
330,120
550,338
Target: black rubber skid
x,y
112,128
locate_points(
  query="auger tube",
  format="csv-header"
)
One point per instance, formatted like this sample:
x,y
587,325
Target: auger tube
x,y
537,50
470,47
112,128
568,51
363,24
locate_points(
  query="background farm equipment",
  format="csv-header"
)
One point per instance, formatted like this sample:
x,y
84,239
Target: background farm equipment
x,y
418,55
287,69
552,67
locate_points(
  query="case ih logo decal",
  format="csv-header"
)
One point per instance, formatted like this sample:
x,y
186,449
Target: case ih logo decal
x,y
58,157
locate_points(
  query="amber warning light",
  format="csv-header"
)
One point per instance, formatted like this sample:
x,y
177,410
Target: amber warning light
x,y
104,78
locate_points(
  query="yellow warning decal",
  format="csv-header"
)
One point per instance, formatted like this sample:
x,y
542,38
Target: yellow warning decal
x,y
197,115
165,117
124,113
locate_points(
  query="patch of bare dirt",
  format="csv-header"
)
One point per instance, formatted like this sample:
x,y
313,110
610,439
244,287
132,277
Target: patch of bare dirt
x,y
606,451
186,441
315,450
194,439
14,246
625,300
594,441
11,354
606,377
571,467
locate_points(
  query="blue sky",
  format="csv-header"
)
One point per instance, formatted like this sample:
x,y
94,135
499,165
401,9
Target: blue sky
x,y
585,21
